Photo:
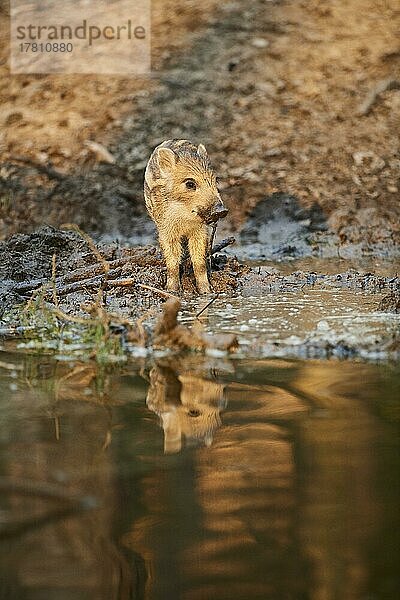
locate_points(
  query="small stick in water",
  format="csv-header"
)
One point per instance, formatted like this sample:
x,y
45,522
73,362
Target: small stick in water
x,y
207,305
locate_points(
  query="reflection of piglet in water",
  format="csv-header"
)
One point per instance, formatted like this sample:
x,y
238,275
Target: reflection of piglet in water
x,y
182,198
189,407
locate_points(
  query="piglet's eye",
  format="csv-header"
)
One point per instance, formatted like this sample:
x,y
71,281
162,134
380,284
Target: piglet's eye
x,y
190,184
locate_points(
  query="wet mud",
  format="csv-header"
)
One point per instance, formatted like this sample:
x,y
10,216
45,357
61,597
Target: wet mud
x,y
280,228
274,311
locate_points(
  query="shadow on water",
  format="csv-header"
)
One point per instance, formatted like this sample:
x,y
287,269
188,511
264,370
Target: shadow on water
x,y
198,479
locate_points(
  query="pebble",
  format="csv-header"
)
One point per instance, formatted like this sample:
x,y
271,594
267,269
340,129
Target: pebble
x,y
260,43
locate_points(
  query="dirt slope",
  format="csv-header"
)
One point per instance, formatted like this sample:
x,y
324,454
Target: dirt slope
x,y
274,88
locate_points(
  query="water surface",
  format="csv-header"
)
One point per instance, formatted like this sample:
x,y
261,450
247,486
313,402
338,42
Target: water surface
x,y
300,322
198,479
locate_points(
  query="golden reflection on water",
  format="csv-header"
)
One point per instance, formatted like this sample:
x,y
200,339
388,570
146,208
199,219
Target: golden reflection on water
x,y
273,479
188,406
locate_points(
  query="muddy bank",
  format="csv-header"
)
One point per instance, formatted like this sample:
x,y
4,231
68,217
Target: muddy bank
x,y
80,269
26,265
57,276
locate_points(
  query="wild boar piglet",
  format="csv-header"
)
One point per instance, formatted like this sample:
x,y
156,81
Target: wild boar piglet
x,y
182,198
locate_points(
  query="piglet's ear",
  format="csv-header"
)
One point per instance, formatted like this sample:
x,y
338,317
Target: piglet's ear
x,y
166,160
201,150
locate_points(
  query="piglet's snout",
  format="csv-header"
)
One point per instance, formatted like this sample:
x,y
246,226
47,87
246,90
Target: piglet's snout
x,y
213,213
219,210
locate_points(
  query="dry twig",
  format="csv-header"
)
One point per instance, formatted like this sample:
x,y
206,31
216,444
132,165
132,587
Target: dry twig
x,y
101,153
81,273
87,283
207,305
223,244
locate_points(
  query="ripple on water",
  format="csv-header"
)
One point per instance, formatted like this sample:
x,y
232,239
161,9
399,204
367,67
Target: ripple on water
x,y
318,316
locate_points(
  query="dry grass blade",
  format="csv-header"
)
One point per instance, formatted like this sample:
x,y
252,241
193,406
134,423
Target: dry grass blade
x,y
139,324
60,314
90,243
157,291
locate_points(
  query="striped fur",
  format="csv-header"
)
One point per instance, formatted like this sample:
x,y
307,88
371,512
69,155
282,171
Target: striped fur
x,y
181,213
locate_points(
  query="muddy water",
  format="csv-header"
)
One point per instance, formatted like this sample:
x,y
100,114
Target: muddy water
x,y
202,479
302,323
367,264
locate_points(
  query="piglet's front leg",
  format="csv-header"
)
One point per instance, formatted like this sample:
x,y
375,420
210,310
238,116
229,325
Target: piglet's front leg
x,y
197,243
